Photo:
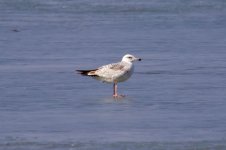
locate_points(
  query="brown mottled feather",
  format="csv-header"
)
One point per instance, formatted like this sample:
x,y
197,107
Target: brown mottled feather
x,y
117,67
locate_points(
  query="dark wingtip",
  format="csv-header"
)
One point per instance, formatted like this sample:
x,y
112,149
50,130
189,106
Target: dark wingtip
x,y
81,72
84,72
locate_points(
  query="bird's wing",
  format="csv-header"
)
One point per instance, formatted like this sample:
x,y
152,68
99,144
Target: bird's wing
x,y
111,70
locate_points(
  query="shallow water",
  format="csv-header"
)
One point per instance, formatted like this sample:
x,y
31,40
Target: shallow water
x,y
175,99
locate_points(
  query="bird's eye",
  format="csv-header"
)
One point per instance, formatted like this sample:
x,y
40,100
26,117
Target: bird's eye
x,y
130,57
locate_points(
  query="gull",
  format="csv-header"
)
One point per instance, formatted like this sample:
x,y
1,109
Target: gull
x,y
113,73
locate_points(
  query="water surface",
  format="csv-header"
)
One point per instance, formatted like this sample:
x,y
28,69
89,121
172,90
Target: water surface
x,y
175,99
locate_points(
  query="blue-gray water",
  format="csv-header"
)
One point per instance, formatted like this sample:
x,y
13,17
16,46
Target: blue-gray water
x,y
176,99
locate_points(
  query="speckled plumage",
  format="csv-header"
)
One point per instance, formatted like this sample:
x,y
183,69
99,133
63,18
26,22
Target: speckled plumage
x,y
117,72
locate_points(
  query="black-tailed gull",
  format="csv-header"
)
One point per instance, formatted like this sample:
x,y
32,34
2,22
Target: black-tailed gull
x,y
113,73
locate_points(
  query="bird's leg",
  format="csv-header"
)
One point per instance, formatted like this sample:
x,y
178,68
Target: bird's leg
x,y
115,94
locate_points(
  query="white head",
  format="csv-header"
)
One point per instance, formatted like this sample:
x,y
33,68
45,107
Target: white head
x,y
130,58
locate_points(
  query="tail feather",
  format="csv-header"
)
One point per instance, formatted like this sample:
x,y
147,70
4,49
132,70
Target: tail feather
x,y
87,72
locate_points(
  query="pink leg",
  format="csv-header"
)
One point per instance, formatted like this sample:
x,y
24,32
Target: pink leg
x,y
115,94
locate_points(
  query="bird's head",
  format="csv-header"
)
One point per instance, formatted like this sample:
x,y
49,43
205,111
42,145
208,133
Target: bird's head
x,y
130,58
